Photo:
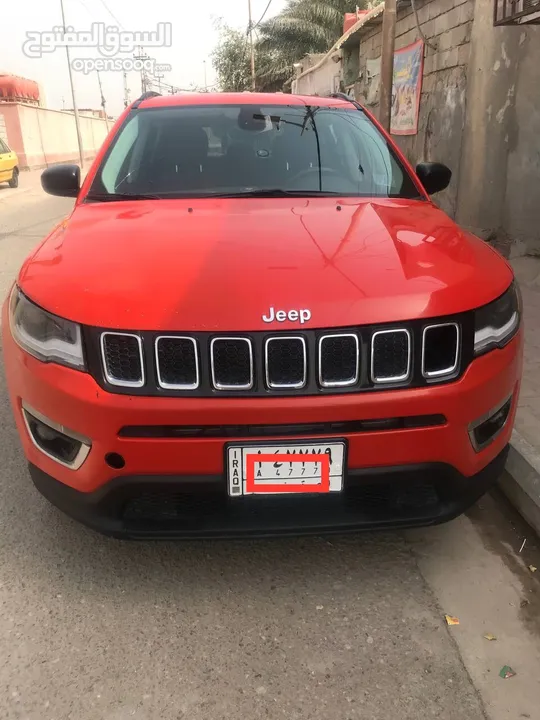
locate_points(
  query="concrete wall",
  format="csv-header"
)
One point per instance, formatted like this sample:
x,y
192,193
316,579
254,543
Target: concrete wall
x,y
322,81
42,137
447,25
479,114
498,196
3,128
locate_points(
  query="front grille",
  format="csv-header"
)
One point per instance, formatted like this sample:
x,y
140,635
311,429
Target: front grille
x,y
309,362
339,360
286,362
122,359
232,363
390,356
440,350
177,363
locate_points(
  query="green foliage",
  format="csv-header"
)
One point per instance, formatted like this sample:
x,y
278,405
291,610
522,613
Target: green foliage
x,y
231,60
307,26
304,26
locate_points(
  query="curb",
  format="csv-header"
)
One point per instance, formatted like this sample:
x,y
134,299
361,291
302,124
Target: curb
x,y
521,481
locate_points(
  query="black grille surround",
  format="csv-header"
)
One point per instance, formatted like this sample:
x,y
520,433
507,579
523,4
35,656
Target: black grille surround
x,y
311,337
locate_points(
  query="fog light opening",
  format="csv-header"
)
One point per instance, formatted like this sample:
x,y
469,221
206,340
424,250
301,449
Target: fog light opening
x,y
57,442
115,460
484,430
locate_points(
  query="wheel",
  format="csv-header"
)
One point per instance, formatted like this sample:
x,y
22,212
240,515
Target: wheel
x,y
14,182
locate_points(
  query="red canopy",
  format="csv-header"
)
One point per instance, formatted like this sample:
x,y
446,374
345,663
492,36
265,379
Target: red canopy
x,y
18,88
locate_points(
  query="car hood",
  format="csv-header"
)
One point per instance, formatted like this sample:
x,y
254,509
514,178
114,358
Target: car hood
x,y
221,264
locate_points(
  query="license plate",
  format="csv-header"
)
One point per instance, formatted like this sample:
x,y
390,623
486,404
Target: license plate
x,y
316,467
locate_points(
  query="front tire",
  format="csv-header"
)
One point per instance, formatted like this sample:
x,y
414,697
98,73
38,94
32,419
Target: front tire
x,y
14,182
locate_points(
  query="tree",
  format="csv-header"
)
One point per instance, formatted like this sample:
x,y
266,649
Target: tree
x,y
231,60
304,26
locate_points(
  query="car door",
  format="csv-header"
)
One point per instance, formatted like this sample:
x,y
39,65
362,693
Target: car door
x,y
8,160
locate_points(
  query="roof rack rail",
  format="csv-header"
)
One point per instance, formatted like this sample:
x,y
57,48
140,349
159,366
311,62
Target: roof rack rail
x,y
348,98
145,96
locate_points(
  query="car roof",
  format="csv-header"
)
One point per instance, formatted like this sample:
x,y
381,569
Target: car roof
x,y
242,98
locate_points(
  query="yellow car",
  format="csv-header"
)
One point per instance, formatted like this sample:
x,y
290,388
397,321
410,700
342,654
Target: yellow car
x,y
9,165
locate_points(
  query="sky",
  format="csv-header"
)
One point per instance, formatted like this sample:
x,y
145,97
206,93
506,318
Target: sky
x,y
193,39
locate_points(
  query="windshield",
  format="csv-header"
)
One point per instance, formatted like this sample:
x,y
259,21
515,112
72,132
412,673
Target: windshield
x,y
207,151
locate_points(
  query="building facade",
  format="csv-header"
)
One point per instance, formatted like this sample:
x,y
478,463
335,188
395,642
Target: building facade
x,y
478,107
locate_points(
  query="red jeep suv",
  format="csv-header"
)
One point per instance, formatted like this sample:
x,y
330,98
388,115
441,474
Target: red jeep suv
x,y
255,321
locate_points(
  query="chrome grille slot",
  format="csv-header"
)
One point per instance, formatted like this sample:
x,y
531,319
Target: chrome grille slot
x,y
338,360
122,357
390,356
307,362
440,350
286,362
177,363
231,360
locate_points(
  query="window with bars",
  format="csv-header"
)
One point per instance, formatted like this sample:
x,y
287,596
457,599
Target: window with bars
x,y
517,12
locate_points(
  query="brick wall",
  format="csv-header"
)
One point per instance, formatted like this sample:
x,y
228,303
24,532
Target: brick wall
x,y
446,24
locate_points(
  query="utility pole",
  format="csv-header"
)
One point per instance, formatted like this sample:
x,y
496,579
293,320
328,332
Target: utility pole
x,y
126,90
144,78
387,63
75,108
159,78
252,50
205,81
103,101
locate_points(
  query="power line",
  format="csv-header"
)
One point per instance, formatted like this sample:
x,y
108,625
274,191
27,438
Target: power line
x,y
251,48
263,15
85,6
111,14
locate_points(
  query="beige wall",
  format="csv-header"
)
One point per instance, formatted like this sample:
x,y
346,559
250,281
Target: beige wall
x,y
42,137
498,193
322,81
446,24
479,114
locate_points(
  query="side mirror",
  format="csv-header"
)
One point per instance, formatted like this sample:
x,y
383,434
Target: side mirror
x,y
434,176
62,180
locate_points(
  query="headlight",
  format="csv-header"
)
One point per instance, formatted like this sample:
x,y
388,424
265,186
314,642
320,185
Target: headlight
x,y
497,323
47,337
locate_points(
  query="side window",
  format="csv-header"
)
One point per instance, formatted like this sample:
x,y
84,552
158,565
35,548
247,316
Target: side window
x,y
111,172
3,147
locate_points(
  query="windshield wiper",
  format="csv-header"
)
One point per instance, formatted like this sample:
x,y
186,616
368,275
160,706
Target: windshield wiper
x,y
112,197
275,193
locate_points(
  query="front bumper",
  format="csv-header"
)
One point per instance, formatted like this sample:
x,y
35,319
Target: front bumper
x,y
139,507
440,457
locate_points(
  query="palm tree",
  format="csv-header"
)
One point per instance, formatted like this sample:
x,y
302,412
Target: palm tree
x,y
304,26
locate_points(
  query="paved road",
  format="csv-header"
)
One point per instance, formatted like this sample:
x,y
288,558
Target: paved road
x,y
340,629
